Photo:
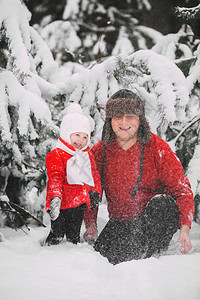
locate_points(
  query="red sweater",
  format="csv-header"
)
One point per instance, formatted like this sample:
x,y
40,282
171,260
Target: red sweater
x,y
162,174
72,195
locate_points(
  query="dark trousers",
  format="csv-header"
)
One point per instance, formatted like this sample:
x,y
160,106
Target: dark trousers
x,y
67,224
143,236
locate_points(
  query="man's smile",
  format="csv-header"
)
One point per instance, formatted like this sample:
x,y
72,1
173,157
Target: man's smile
x,y
124,129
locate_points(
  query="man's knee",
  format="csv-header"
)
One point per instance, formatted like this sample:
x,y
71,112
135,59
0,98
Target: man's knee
x,y
161,218
162,209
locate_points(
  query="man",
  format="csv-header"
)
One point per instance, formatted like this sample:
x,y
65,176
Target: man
x,y
147,194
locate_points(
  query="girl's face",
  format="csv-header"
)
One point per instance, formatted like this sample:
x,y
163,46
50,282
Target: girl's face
x,y
79,140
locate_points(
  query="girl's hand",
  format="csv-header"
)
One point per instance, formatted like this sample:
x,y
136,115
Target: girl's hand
x,y
55,208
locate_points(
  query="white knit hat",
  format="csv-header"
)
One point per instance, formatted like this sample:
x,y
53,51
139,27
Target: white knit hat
x,y
74,121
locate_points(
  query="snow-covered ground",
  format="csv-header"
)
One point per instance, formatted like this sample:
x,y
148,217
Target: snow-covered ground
x,y
74,272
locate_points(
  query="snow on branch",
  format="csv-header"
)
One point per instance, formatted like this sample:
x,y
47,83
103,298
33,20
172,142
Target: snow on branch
x,y
168,46
188,13
93,85
26,102
194,77
42,56
4,116
14,19
151,33
164,79
61,35
144,4
25,124
28,53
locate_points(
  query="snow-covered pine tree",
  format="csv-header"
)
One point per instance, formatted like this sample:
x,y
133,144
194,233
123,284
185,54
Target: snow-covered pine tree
x,y
189,143
100,29
26,129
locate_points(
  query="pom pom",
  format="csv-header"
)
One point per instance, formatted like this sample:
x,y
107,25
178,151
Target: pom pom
x,y
74,108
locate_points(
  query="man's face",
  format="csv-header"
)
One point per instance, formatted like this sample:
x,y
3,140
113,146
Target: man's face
x,y
126,127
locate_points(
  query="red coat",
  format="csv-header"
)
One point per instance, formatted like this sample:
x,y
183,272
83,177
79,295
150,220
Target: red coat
x,y
162,174
72,195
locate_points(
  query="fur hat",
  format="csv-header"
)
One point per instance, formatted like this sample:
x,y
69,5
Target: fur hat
x,y
125,102
74,121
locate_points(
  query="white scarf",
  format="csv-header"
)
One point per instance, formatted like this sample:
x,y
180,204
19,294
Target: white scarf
x,y
78,166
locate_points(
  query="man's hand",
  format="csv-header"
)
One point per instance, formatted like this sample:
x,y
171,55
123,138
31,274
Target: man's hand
x,y
91,234
184,239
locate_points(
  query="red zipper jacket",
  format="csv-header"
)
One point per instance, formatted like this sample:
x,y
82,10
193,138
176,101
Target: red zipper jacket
x,y
72,195
162,174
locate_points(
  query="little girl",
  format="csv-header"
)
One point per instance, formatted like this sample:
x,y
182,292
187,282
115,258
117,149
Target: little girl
x,y
73,180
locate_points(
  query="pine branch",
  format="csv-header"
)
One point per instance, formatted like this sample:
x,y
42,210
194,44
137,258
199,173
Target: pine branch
x,y
7,209
97,30
10,207
195,119
22,210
